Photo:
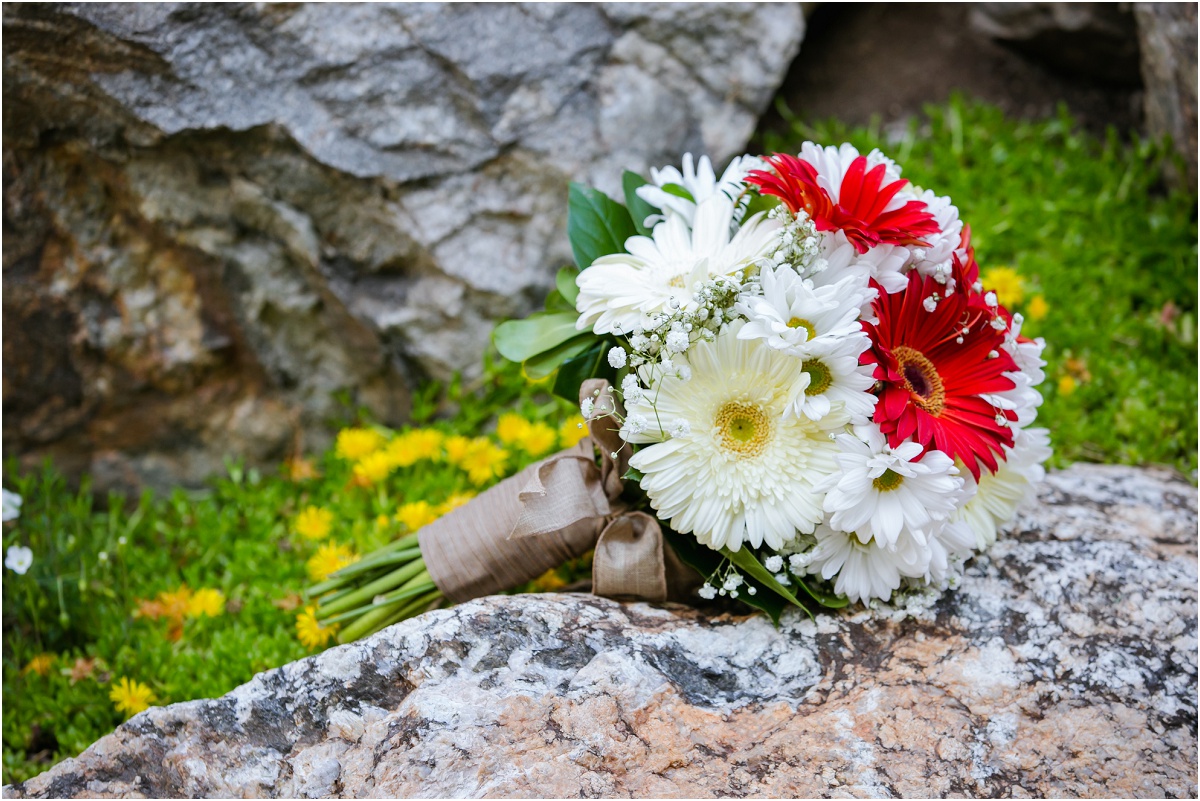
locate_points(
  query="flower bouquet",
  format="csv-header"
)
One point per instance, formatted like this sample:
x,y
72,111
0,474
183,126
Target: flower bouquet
x,y
798,392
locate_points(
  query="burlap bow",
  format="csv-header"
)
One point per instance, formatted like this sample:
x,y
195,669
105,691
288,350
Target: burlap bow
x,y
554,510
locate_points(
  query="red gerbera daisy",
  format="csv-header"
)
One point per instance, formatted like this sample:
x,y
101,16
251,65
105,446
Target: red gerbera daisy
x,y
935,357
861,209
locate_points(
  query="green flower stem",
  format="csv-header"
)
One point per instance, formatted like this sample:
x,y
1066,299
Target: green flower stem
x,y
412,609
415,587
360,596
377,560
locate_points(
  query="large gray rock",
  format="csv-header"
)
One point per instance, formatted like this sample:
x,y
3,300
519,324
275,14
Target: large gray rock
x,y
1065,666
1167,35
218,216
1090,40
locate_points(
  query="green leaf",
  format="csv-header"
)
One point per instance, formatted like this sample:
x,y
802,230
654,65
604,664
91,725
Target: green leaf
x,y
555,302
639,209
596,224
753,568
633,474
705,561
589,364
564,281
538,367
678,191
518,340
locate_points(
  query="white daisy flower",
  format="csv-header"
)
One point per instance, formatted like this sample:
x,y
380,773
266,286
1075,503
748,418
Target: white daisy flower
x,y
949,545
864,570
937,259
745,474
997,495
12,505
701,183
837,382
880,492
619,292
884,263
794,316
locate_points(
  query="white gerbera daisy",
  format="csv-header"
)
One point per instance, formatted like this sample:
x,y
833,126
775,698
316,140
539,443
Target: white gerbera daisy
x,y
997,495
949,545
864,570
839,259
880,492
837,382
701,183
745,472
619,292
794,316
937,258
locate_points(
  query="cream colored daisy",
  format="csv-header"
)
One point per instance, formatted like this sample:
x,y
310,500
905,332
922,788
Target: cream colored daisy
x,y
726,465
619,292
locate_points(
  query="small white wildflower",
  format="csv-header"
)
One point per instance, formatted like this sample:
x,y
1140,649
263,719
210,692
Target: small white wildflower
x,y
631,389
733,581
684,372
930,304
586,407
733,593
667,364
999,324
102,556
636,423
617,357
783,579
18,559
121,540
798,563
680,428
990,299
638,342
707,592
12,506
774,563
752,590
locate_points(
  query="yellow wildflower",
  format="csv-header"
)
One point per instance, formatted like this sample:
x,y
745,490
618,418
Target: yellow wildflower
x,y
329,558
548,582
572,431
483,461
538,439
373,468
1006,283
1066,385
206,601
1038,307
456,448
426,443
40,665
353,444
511,428
131,697
453,502
313,523
310,631
415,515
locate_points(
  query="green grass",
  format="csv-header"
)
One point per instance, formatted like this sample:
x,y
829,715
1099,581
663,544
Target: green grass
x,y
1085,222
1089,226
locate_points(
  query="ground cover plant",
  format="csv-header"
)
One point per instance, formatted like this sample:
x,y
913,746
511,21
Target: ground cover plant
x,y
160,600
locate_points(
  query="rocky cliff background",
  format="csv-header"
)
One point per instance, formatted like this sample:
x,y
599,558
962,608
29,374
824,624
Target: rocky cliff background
x,y
221,222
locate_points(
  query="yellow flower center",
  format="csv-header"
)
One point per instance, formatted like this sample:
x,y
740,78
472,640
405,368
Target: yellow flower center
x,y
743,429
800,322
888,481
678,282
819,377
921,379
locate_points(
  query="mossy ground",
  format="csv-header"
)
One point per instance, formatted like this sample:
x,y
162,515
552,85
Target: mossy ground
x,y
1086,224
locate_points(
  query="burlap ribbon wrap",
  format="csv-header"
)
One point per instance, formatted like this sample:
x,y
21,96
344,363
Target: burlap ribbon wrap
x,y
554,510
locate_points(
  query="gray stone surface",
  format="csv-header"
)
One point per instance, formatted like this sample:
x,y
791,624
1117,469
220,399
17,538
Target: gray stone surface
x,y
1065,666
1167,35
219,215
